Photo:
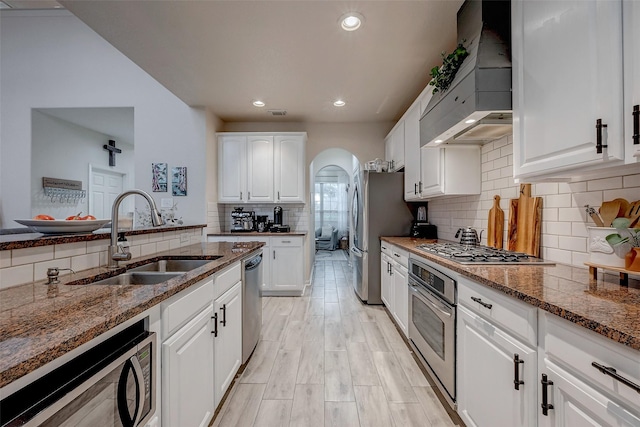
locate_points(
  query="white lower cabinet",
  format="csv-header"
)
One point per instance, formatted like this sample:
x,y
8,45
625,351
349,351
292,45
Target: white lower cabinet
x,y
228,338
394,284
386,280
496,375
401,297
188,373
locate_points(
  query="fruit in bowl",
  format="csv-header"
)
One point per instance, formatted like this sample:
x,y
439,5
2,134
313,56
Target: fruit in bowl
x,y
43,217
81,218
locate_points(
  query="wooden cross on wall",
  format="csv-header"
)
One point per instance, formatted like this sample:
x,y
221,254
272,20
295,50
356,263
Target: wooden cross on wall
x,y
111,148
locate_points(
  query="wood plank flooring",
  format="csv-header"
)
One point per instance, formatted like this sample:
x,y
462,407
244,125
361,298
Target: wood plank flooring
x,y
326,359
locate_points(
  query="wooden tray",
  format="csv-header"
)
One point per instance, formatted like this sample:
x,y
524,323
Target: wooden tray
x,y
624,274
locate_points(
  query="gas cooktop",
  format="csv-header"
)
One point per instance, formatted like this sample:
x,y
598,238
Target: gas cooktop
x,y
480,254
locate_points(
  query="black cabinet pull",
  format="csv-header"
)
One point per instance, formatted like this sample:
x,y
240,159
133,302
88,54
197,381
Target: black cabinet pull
x,y
599,127
215,324
415,188
224,315
545,397
388,268
482,303
636,124
517,382
608,370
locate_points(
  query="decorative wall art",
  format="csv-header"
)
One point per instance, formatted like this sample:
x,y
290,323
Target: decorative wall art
x,y
179,181
159,178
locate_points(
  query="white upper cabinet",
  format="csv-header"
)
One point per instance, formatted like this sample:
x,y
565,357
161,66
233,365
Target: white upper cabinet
x,y
261,168
450,171
631,26
394,147
290,168
567,74
412,153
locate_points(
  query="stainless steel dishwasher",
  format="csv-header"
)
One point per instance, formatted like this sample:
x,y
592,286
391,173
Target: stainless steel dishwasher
x,y
251,304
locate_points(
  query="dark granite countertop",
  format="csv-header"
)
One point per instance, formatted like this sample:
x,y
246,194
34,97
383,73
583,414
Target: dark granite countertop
x,y
41,322
30,240
256,233
601,304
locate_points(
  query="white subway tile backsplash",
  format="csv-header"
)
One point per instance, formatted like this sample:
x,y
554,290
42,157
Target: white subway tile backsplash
x,y
70,249
571,214
162,246
148,249
5,259
83,262
40,268
545,188
557,201
550,214
591,198
12,276
578,244
97,246
630,194
605,184
31,255
579,229
631,181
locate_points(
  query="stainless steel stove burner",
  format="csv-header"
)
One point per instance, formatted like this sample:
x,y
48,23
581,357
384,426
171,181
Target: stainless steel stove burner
x,y
479,254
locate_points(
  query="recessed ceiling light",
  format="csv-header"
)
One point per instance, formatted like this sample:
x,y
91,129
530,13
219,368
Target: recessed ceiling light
x,y
351,21
438,141
470,121
258,104
339,103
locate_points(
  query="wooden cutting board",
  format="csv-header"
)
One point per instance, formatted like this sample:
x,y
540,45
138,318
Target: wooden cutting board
x,y
495,226
525,222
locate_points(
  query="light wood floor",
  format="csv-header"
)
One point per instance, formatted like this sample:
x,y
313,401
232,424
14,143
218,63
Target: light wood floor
x,y
326,359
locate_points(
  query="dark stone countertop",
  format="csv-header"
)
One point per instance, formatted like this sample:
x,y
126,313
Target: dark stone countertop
x,y
40,322
600,305
256,233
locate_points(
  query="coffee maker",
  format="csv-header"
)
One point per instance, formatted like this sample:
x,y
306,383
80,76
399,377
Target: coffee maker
x,y
242,221
262,223
420,228
277,226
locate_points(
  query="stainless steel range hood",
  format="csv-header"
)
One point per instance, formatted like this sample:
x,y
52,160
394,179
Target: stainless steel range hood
x,y
477,106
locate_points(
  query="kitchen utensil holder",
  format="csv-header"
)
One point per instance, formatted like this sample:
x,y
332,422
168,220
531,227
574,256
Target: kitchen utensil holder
x,y
64,195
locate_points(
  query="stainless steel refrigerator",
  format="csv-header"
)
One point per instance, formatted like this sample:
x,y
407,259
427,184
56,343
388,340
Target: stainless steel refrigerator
x,y
377,209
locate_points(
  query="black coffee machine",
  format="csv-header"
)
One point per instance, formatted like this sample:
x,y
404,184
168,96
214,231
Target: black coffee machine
x,y
423,230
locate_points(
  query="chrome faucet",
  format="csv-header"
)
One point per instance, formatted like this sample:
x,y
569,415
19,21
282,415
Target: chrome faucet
x,y
115,252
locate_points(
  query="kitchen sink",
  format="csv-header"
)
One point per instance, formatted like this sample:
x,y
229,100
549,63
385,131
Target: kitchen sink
x,y
133,278
172,265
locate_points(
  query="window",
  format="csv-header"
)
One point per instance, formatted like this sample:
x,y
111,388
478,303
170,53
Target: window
x,y
331,205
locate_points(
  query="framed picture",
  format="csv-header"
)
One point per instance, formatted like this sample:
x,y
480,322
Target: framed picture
x,y
159,177
179,181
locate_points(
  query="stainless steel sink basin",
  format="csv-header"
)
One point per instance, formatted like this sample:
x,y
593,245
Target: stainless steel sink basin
x,y
133,278
172,265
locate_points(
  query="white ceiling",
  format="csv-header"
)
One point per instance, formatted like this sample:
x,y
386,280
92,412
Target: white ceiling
x,y
290,54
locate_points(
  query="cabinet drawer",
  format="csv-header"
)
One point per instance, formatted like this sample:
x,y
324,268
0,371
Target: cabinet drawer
x,y
575,349
512,315
286,241
226,279
181,308
261,239
386,248
400,256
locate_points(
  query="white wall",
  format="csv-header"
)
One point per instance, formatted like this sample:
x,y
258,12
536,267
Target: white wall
x,y
74,148
51,59
564,220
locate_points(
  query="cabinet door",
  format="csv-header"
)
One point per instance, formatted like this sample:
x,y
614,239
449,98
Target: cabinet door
x,y
576,404
232,168
260,169
397,146
228,343
289,169
567,63
412,153
287,268
188,373
431,161
401,298
486,373
385,281
631,17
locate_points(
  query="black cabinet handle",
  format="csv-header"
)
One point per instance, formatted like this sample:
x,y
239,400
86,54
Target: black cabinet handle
x,y
608,370
420,187
415,188
545,397
241,195
224,315
396,255
215,325
482,303
599,127
636,124
388,268
517,382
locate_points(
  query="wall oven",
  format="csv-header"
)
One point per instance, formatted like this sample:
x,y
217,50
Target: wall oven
x,y
111,384
432,324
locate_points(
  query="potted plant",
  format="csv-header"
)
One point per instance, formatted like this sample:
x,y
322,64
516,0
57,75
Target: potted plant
x,y
626,235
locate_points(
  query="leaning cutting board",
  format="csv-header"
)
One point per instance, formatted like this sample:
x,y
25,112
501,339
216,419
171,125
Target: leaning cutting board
x,y
495,226
525,222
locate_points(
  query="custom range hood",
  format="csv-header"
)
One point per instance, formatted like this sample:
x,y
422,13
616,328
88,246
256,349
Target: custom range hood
x,y
476,108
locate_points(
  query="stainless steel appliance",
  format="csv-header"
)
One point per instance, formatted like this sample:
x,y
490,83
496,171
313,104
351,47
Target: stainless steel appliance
x,y
432,323
262,223
377,209
112,384
242,220
423,230
469,236
463,254
251,304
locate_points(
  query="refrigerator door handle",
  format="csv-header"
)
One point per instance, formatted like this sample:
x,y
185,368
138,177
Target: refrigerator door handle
x,y
357,252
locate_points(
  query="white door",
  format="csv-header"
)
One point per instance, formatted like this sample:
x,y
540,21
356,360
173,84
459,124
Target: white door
x,y
105,187
412,153
260,169
432,176
232,168
401,298
289,169
567,63
228,343
631,17
188,375
487,396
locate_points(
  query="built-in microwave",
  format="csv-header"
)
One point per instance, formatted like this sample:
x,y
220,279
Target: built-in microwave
x,y
111,384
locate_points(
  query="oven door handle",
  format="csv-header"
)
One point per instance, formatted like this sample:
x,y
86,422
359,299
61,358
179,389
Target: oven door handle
x,y
132,364
430,301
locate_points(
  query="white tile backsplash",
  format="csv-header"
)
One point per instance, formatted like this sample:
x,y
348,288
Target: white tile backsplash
x,y
67,250
12,276
31,255
564,219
